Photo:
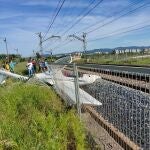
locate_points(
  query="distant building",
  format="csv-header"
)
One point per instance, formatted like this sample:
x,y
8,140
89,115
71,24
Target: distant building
x,y
123,51
146,50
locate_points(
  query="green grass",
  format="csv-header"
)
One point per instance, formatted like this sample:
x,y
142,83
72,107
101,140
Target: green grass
x,y
20,68
114,59
139,61
34,118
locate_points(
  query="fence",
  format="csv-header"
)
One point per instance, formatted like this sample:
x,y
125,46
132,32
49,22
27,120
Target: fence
x,y
130,58
125,101
125,110
65,87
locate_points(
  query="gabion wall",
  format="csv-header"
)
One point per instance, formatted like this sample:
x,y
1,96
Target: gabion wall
x,y
126,108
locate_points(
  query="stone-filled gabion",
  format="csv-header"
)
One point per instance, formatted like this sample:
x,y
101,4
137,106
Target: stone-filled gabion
x,y
126,108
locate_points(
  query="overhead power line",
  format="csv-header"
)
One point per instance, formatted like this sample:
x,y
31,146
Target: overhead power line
x,y
69,11
82,17
82,12
122,29
130,5
62,45
50,22
132,11
111,35
54,17
116,13
129,12
79,15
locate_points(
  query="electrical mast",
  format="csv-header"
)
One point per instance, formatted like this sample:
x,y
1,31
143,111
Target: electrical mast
x,y
83,40
42,40
5,40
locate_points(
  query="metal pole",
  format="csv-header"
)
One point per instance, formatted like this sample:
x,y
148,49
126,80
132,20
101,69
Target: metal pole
x,y
126,56
6,48
51,55
33,53
17,51
77,89
84,45
84,42
40,43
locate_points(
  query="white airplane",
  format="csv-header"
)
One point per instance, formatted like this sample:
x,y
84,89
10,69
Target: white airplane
x,y
2,79
62,84
65,86
4,74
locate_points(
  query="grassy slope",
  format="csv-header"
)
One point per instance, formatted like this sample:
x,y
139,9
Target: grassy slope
x,y
33,118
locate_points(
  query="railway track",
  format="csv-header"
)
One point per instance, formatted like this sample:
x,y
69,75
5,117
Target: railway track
x,y
130,103
122,68
142,75
133,80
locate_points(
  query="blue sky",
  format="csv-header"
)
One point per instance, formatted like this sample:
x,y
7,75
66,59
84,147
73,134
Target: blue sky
x,y
20,20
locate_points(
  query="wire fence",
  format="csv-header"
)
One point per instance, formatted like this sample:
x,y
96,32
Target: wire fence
x,y
128,58
124,116
64,84
125,111
125,105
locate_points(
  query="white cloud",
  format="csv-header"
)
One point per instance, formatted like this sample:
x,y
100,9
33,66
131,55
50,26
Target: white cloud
x,y
22,31
53,3
8,15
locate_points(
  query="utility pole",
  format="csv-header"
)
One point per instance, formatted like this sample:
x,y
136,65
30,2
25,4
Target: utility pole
x,y
42,40
5,40
51,53
33,52
83,40
76,83
126,56
17,51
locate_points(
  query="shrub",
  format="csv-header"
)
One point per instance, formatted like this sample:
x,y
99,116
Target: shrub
x,y
34,118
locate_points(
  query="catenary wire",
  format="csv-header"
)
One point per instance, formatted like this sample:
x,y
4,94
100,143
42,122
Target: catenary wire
x,y
70,13
116,13
132,11
126,13
54,18
122,29
146,26
82,17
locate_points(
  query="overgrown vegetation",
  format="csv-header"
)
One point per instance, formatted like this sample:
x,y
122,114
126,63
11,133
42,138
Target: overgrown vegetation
x,y
34,118
121,59
21,68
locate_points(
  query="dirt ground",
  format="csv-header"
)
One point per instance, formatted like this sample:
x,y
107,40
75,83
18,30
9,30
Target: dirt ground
x,y
102,140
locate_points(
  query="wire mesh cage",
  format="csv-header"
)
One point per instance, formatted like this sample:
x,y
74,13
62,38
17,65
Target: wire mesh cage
x,y
126,105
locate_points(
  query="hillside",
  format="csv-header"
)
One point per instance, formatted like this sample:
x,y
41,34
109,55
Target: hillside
x,y
34,117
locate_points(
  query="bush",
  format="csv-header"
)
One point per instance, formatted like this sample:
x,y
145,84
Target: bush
x,y
33,118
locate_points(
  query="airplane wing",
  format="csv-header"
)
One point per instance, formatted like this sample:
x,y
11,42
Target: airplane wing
x,y
67,88
4,74
2,79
